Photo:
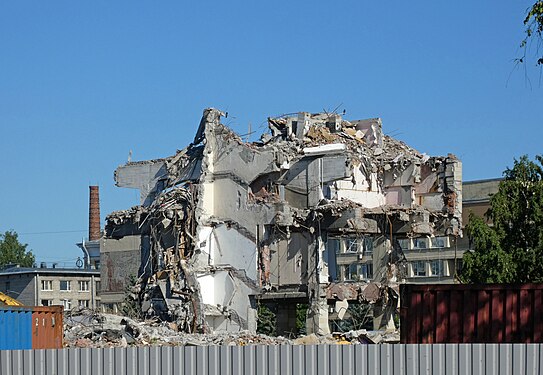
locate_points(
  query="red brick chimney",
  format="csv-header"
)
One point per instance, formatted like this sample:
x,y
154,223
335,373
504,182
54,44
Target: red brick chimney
x,y
94,213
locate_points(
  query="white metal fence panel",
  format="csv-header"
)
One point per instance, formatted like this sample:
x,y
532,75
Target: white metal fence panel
x,y
449,359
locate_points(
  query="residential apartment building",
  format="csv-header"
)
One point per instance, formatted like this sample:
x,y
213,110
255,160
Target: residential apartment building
x,y
431,259
439,259
68,287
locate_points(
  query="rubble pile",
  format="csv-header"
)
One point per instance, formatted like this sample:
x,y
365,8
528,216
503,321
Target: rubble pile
x,y
84,328
363,336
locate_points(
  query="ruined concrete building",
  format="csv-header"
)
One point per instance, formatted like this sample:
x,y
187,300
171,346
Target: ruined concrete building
x,y
313,212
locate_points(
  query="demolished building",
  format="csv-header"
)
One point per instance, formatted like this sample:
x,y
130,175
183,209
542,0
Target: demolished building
x,y
313,212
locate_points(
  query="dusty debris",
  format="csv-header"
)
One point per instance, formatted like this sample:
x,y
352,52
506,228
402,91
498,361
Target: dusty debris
x,y
84,328
369,337
311,213
313,339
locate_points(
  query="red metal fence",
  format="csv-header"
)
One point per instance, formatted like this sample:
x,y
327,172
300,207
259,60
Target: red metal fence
x,y
47,327
491,313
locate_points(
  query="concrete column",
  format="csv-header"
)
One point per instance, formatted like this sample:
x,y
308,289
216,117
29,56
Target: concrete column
x,y
383,315
317,317
317,313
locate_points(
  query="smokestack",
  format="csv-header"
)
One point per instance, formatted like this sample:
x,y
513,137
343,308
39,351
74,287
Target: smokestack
x,y
94,213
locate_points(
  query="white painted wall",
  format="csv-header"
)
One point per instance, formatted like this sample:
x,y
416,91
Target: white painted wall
x,y
220,288
229,247
359,189
206,203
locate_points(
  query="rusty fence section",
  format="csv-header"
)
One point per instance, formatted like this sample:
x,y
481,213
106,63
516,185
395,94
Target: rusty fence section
x,y
47,327
492,313
413,359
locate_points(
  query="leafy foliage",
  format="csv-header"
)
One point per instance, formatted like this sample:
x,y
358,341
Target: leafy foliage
x,y
488,251
12,251
301,315
534,30
511,249
266,321
360,316
130,306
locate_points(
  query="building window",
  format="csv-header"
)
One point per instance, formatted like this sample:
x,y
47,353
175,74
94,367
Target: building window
x,y
368,245
83,286
98,286
351,272
436,267
366,271
333,245
47,285
8,286
65,285
439,242
351,245
83,303
420,243
459,265
419,268
67,303
47,302
329,256
404,243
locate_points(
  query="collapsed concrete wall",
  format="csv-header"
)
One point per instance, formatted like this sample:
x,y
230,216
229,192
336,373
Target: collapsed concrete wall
x,y
313,209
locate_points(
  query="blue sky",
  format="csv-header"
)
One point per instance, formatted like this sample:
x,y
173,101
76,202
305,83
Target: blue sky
x,y
83,83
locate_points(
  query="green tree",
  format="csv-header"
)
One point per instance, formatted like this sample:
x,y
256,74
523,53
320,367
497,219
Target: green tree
x,y
301,316
130,306
511,249
12,251
359,316
533,31
266,320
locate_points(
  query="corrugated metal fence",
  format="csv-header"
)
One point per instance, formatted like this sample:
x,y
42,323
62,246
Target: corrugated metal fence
x,y
456,313
284,360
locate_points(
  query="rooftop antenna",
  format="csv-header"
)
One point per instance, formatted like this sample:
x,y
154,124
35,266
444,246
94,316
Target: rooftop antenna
x,y
335,109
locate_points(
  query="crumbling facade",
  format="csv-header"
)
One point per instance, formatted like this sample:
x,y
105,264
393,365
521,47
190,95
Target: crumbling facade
x,y
315,212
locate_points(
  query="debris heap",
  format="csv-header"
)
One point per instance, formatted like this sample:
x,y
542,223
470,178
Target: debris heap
x,y
84,328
